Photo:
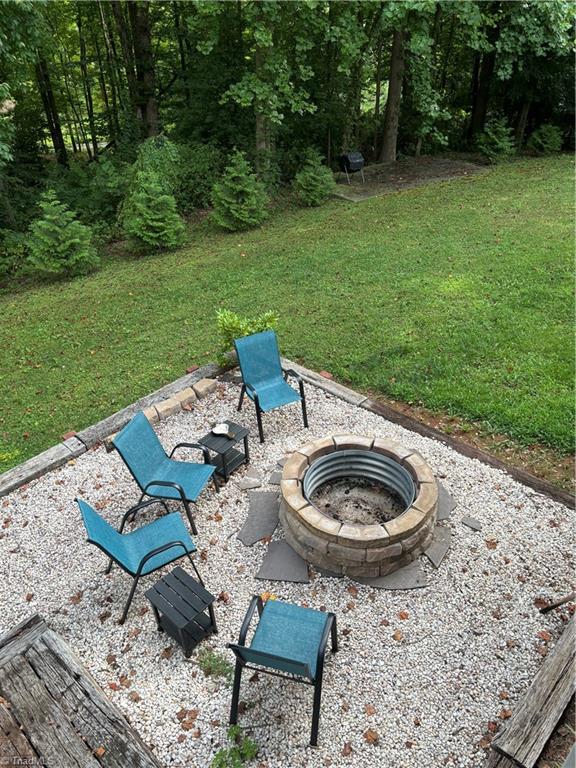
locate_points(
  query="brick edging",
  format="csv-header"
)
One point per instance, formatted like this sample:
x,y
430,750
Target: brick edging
x,y
75,446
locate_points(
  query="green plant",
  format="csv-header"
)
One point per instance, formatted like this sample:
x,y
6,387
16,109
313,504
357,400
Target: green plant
x,y
149,216
497,140
239,199
161,156
232,326
58,244
200,166
12,253
314,183
243,750
546,140
215,665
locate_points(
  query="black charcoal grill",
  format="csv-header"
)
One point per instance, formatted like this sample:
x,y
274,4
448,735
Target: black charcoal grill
x,y
352,162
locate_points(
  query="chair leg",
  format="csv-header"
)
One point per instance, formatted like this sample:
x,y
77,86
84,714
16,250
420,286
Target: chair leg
x,y
215,481
190,518
242,393
334,635
129,601
259,420
316,711
304,412
235,693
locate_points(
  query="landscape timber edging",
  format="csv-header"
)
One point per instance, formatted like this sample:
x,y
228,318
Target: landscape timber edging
x,y
72,447
75,446
408,422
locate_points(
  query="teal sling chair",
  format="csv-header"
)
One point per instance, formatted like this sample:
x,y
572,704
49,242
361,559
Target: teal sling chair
x,y
143,550
158,475
264,381
289,642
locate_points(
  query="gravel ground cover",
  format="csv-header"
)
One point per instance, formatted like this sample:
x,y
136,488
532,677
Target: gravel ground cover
x,y
423,677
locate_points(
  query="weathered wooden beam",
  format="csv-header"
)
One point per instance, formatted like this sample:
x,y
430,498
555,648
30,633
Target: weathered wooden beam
x,y
542,707
21,637
15,749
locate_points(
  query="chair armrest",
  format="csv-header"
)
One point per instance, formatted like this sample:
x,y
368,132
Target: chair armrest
x,y
157,551
202,448
256,603
138,507
289,372
166,484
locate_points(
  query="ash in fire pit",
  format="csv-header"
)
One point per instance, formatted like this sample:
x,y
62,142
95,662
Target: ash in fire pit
x,y
362,502
356,505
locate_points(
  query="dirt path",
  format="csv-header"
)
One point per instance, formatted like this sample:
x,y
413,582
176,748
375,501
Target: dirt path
x,y
410,172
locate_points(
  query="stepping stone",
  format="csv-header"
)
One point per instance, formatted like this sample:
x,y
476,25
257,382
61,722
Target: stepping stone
x,y
281,463
281,563
262,517
249,482
471,522
412,576
436,552
275,478
446,502
254,474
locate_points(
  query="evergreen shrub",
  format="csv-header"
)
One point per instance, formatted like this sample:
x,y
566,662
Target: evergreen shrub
x,y
497,140
314,182
546,140
149,216
239,199
58,244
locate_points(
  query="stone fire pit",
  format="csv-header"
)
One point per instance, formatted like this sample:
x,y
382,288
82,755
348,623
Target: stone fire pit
x,y
358,506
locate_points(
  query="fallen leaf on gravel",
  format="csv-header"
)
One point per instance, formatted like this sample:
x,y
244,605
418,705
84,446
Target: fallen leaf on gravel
x,y
104,615
484,742
114,686
125,681
134,633
544,635
29,597
505,714
493,726
417,721
346,631
167,652
351,605
403,615
353,590
371,736
143,610
197,733
369,709
134,696
224,597
409,744
511,643
99,752
204,556
111,659
181,738
345,706
398,636
504,695
217,517
491,543
542,650
347,749
384,623
75,599
540,602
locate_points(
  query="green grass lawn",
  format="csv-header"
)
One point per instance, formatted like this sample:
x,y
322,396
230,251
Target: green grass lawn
x,y
457,295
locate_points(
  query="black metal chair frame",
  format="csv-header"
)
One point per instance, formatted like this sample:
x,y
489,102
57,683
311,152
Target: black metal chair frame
x,y
169,484
131,513
316,681
252,393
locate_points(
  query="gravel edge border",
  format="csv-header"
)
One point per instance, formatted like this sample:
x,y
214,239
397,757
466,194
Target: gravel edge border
x,y
75,446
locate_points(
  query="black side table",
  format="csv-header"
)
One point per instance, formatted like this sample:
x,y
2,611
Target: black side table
x,y
228,457
180,604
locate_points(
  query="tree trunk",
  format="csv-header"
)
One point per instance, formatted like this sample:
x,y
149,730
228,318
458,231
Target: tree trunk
x,y
480,103
182,53
139,13
127,55
52,116
522,120
378,95
392,114
111,66
86,84
262,121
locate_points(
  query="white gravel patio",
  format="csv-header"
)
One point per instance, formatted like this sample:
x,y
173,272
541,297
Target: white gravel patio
x,y
467,648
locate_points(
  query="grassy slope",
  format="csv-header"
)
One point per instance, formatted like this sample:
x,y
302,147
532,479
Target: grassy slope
x,y
457,295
